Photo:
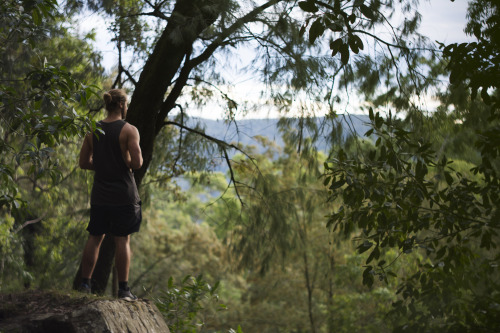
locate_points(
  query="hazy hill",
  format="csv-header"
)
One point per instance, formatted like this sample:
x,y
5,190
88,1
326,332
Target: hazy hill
x,y
246,130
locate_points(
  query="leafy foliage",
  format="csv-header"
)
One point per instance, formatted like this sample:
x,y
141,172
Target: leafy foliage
x,y
182,305
36,108
350,20
401,195
478,63
39,104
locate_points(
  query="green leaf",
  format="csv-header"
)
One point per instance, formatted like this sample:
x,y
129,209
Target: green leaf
x,y
316,30
37,17
420,170
335,46
336,27
302,30
367,12
368,274
375,254
344,54
170,283
358,3
308,6
364,247
352,44
215,287
448,177
379,121
440,253
358,42
337,184
390,273
486,240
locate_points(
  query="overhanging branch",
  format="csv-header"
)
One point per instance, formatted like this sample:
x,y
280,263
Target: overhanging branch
x,y
229,31
223,145
190,64
226,156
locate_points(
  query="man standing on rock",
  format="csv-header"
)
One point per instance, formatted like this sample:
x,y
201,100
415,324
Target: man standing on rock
x,y
115,207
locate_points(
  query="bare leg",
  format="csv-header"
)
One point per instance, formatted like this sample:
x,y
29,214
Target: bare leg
x,y
90,254
122,257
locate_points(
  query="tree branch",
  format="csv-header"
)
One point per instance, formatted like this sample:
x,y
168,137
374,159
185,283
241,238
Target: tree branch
x,y
155,13
223,145
147,270
229,31
180,139
169,103
220,143
130,77
232,175
27,223
176,91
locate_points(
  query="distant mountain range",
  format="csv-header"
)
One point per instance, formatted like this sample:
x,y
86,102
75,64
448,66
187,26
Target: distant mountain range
x,y
245,130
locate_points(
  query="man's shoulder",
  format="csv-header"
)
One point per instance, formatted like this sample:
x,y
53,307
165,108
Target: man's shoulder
x,y
130,130
130,127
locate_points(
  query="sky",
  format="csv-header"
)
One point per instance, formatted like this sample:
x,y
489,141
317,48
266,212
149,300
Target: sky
x,y
442,20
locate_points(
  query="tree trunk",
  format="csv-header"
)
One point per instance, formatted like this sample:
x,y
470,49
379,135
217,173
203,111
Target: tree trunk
x,y
309,287
189,18
331,311
29,233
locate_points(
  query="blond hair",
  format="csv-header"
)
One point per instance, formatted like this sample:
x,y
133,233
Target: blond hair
x,y
113,98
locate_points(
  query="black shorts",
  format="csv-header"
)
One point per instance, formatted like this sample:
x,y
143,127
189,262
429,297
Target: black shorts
x,y
115,220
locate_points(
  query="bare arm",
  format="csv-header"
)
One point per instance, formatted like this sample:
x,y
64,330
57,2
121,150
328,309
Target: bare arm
x,y
85,161
134,149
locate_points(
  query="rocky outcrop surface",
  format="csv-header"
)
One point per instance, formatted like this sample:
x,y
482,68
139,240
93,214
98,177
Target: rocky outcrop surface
x,y
36,312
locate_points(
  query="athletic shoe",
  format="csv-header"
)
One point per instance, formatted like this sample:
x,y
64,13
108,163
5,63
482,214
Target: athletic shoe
x,y
85,288
126,295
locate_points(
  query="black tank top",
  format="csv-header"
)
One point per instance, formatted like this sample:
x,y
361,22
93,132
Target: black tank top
x,y
114,182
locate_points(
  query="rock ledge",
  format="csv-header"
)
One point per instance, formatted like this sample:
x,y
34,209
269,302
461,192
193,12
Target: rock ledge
x,y
36,311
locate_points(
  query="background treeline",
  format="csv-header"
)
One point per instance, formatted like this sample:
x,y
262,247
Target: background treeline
x,y
394,228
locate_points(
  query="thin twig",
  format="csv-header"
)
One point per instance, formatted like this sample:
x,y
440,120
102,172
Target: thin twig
x,y
27,223
180,139
210,138
232,175
130,77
